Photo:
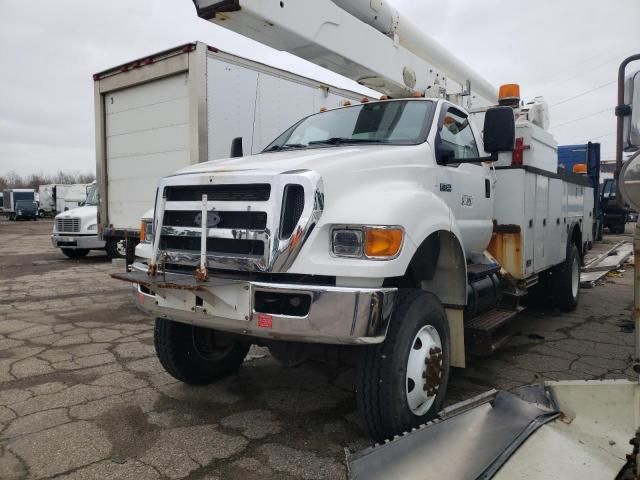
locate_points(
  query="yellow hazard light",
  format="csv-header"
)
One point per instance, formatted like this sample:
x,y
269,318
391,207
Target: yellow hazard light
x,y
580,168
383,242
143,231
346,103
364,100
509,92
323,109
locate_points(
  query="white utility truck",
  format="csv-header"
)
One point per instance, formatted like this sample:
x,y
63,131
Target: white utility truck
x,y
75,231
393,231
176,108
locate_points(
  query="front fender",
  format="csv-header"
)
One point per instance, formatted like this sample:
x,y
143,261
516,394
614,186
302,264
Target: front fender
x,y
418,211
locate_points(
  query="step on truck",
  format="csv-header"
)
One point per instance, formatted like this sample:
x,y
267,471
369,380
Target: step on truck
x,y
391,233
179,107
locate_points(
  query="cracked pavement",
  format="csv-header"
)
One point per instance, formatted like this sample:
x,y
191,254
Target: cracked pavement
x,y
82,395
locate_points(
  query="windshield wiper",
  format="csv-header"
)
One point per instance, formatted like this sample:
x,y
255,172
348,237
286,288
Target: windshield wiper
x,y
286,146
345,141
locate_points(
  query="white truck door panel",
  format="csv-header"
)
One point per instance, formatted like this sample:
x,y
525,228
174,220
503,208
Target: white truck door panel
x,y
463,186
472,207
147,136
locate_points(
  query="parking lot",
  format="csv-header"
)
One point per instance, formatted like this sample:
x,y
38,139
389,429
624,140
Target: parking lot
x,y
82,395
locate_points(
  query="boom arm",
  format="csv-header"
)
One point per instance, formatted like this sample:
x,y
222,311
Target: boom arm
x,y
365,40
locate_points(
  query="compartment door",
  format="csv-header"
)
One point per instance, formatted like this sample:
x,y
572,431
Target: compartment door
x,y
542,239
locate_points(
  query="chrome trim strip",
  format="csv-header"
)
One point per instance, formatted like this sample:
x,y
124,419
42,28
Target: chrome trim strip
x,y
217,205
228,233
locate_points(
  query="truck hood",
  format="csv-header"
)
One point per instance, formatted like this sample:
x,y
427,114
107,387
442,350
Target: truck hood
x,y
85,214
341,160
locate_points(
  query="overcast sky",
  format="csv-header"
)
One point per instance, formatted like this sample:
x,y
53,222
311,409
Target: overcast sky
x,y
50,49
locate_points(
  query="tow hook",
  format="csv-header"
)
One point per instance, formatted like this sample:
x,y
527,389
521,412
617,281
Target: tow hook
x,y
433,371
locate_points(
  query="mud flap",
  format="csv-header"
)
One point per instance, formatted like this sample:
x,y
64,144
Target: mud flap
x,y
469,441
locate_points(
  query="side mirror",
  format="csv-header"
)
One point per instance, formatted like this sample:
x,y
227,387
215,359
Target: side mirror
x,y
632,120
499,130
236,147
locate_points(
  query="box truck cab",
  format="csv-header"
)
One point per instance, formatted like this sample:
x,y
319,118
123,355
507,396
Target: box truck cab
x,y
75,231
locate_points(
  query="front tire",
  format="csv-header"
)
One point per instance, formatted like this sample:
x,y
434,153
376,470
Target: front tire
x,y
567,280
195,355
402,382
75,252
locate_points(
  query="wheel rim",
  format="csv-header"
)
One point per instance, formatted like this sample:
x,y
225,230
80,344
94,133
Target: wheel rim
x,y
424,370
575,277
121,248
206,346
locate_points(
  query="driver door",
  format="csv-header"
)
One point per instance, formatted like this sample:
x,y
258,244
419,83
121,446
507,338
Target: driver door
x,y
466,187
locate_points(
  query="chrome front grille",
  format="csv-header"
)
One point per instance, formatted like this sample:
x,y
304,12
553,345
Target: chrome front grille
x,y
258,224
68,225
236,219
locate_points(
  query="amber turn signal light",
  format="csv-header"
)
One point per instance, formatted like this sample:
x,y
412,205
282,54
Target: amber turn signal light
x,y
383,242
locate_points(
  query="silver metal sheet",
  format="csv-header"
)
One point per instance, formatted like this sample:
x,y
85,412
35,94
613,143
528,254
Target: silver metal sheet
x,y
472,444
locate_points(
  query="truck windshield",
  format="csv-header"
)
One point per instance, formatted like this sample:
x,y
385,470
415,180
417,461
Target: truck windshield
x,y
26,204
92,196
400,122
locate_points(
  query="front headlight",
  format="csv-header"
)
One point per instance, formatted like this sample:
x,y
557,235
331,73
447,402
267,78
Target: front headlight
x,y
146,231
19,212
92,228
372,243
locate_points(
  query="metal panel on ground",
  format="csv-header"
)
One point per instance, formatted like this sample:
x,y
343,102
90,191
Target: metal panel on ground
x,y
147,137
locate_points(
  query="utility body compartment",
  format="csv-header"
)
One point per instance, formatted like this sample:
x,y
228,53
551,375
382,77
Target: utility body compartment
x,y
536,207
181,107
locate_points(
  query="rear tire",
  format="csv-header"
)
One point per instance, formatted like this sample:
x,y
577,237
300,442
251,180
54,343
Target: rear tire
x,y
391,381
567,280
194,355
121,248
74,253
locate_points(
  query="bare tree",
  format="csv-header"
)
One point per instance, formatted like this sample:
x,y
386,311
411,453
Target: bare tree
x,y
13,180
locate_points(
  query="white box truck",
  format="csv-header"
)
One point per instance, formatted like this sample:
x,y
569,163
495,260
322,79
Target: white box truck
x,y
181,107
11,196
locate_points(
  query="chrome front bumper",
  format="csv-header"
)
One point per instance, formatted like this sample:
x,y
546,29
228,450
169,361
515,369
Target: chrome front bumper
x,y
336,315
80,242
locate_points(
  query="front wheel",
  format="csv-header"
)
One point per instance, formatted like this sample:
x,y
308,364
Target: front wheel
x,y
196,355
402,382
75,252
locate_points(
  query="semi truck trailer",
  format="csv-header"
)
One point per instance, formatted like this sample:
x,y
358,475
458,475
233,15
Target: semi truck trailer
x,y
180,107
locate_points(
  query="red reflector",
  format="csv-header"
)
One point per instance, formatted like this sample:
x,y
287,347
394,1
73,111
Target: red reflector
x,y
517,157
140,298
265,321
